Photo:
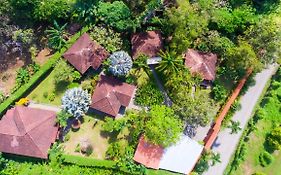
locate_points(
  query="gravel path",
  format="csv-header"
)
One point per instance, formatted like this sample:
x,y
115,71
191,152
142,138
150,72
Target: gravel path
x,y
226,143
44,106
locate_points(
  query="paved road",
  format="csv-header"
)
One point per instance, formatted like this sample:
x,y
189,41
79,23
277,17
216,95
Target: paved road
x,y
226,142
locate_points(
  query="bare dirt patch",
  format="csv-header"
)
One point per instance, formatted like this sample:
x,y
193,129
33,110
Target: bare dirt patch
x,y
8,76
43,56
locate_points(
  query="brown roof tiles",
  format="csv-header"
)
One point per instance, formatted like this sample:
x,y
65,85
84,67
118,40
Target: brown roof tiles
x,y
110,94
201,63
148,43
85,53
27,131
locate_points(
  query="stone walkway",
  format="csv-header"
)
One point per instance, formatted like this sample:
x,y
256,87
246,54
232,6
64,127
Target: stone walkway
x,y
226,143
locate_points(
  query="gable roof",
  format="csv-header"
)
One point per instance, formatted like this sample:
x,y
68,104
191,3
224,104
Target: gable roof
x,y
148,43
85,53
27,131
148,154
110,94
201,63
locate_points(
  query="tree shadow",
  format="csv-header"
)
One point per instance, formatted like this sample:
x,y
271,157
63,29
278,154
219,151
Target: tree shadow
x,y
60,87
267,147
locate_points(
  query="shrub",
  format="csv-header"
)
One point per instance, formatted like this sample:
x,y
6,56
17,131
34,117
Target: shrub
x,y
77,148
87,86
52,96
45,94
62,118
219,92
26,37
149,95
73,85
114,151
63,72
120,63
50,10
107,38
2,97
265,158
274,138
76,102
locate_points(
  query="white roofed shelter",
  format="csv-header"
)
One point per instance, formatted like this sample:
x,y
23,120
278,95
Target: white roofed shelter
x,y
182,156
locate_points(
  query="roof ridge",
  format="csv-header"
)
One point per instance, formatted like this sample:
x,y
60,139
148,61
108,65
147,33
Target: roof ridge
x,y
43,121
18,119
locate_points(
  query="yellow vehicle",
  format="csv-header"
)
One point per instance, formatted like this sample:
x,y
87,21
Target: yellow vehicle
x,y
23,101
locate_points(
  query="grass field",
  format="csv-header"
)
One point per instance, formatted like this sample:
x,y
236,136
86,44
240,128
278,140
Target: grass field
x,y
271,106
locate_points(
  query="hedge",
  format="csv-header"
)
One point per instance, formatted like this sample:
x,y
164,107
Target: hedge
x,y
109,164
37,77
89,162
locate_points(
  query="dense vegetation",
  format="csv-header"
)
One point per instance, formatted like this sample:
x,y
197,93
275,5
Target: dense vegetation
x,y
244,34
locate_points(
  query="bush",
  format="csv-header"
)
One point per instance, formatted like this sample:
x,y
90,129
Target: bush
x,y
114,151
62,118
219,92
274,139
63,72
265,158
52,96
2,97
50,10
107,38
149,95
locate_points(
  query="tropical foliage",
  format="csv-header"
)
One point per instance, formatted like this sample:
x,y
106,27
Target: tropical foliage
x,y
76,102
107,38
62,118
115,14
57,36
274,138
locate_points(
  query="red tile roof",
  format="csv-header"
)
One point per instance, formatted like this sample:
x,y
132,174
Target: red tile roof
x,y
110,94
148,154
85,53
148,43
201,63
27,131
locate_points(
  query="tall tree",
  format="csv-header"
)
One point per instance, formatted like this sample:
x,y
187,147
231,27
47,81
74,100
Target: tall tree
x,y
162,126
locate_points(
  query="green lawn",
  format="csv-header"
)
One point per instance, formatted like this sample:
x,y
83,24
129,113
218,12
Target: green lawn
x,y
255,145
48,87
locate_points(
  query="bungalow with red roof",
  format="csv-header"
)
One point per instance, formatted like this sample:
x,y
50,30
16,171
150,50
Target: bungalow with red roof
x,y
148,43
201,63
180,157
28,132
111,94
85,53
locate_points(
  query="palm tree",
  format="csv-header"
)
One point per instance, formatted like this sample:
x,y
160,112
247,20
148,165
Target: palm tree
x,y
170,63
57,36
216,158
235,127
